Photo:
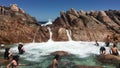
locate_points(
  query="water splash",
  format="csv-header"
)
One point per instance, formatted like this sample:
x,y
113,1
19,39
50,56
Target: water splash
x,y
50,40
48,23
69,34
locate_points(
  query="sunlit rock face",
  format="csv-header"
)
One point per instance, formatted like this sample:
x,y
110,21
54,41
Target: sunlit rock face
x,y
90,26
59,34
109,59
14,7
17,26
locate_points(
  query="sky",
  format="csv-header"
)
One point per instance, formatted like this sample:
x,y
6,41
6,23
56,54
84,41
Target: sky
x,y
43,10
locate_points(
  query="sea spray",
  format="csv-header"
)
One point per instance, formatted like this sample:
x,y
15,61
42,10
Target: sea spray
x,y
50,40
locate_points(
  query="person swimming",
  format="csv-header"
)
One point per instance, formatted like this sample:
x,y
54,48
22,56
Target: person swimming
x,y
21,49
55,62
102,50
114,50
7,54
14,62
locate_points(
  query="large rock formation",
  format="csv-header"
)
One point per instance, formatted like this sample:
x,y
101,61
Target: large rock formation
x,y
17,26
88,26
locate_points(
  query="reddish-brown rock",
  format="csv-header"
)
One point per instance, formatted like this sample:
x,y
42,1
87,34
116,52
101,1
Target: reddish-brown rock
x,y
90,26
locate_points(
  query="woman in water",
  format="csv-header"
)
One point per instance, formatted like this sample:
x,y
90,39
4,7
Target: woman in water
x,y
14,62
55,62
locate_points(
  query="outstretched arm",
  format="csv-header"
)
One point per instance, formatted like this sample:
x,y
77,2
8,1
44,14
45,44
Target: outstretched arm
x,y
22,65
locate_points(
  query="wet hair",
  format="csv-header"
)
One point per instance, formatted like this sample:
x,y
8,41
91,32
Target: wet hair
x,y
7,49
16,58
102,48
56,57
114,45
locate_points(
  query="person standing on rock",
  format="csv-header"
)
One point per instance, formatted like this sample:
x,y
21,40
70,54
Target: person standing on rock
x,y
107,41
55,62
114,50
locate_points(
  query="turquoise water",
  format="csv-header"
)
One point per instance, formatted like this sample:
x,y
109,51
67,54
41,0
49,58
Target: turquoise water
x,y
39,55
64,62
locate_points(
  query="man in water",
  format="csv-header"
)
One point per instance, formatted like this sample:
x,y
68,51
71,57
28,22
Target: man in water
x,y
102,50
114,50
55,62
21,49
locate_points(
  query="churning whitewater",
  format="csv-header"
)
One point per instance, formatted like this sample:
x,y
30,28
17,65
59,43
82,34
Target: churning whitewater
x,y
82,49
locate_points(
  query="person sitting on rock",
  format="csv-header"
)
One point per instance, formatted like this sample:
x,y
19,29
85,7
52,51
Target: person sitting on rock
x,y
102,50
107,42
114,50
21,49
7,54
55,62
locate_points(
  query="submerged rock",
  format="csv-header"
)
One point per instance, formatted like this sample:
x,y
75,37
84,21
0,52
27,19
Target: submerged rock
x,y
109,59
82,66
60,53
67,64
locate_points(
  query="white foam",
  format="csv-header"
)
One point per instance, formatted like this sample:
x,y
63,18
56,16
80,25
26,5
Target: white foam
x,y
48,23
81,49
69,34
